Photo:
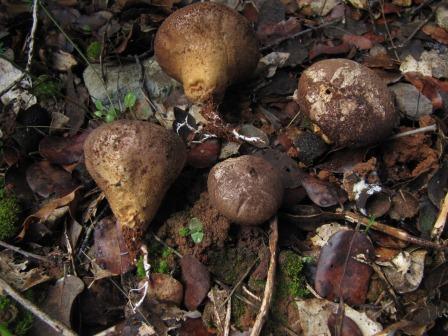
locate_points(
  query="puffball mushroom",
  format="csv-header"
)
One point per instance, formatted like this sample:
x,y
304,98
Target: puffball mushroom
x,y
247,190
206,46
350,103
134,163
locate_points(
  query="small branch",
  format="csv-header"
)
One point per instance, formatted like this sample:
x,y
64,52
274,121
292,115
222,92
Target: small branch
x,y
32,34
439,225
240,281
59,327
228,315
420,26
430,128
24,253
269,288
391,231
388,31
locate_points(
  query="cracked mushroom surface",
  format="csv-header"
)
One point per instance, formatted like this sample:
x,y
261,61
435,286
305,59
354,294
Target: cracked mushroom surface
x,y
350,103
247,190
207,47
134,163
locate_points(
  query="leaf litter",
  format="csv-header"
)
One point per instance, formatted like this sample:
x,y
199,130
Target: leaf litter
x,y
355,225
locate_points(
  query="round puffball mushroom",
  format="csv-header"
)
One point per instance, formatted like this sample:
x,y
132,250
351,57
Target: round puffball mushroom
x,y
134,163
207,47
247,189
349,103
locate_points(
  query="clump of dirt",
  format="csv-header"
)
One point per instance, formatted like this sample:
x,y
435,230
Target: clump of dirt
x,y
410,156
214,226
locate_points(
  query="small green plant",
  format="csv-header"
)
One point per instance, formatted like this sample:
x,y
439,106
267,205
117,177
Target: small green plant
x,y
94,50
371,221
9,214
141,273
194,230
292,276
129,100
110,114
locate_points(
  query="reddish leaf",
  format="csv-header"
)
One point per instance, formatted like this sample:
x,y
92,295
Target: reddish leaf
x,y
349,327
204,154
281,30
46,180
428,86
437,33
197,281
63,151
339,273
321,49
375,38
322,193
193,327
109,247
359,42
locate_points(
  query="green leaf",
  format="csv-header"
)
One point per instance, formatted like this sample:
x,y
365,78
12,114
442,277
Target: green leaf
x,y
99,105
94,50
197,237
98,114
129,100
110,117
195,225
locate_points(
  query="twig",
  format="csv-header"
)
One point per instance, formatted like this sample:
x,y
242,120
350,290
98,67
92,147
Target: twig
x,y
430,128
32,34
240,281
24,253
423,4
439,225
420,26
269,288
391,231
228,314
388,31
300,33
59,327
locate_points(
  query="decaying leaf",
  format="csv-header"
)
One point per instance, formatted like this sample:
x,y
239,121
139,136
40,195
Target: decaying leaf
x,y
18,274
405,271
314,314
342,269
59,303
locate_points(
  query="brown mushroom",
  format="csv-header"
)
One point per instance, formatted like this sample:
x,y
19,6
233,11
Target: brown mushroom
x,y
134,163
246,190
207,47
349,103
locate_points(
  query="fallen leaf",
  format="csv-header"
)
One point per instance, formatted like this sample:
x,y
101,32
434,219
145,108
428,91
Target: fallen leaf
x,y
204,154
339,273
19,274
74,107
404,205
314,314
360,42
322,193
197,281
328,49
63,151
193,327
48,180
58,304
63,61
349,327
405,271
437,33
109,248
47,210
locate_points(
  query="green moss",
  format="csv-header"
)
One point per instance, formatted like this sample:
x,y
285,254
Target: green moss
x,y
14,320
291,273
9,215
238,310
161,258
